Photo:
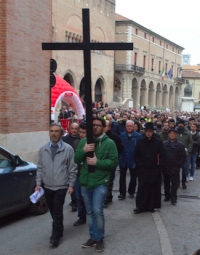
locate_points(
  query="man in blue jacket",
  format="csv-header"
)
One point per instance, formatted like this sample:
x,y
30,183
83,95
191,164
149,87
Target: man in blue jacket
x,y
126,160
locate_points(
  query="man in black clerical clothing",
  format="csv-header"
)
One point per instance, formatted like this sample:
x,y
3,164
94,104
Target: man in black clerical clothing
x,y
149,161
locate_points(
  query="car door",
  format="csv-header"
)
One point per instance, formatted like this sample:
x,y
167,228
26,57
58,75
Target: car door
x,y
24,184
6,182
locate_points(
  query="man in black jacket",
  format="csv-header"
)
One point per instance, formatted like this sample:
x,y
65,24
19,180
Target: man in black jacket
x,y
120,148
193,154
175,156
149,161
71,140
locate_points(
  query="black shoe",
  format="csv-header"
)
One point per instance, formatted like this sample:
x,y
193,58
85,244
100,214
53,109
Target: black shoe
x,y
100,246
137,211
79,222
106,202
89,243
173,202
54,242
166,199
184,186
74,208
121,197
131,195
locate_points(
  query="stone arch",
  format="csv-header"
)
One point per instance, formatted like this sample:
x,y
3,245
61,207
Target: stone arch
x,y
98,35
135,93
68,77
143,93
82,89
171,98
74,23
165,96
151,92
177,96
158,96
117,91
99,93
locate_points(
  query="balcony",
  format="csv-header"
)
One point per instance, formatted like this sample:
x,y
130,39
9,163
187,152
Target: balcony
x,y
130,68
179,80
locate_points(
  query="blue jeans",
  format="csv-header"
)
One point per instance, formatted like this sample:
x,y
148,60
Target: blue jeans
x,y
80,201
191,161
94,203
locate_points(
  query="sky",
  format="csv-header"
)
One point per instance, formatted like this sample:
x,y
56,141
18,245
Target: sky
x,y
176,20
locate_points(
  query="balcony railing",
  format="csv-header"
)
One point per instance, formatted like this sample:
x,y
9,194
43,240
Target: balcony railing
x,y
131,68
179,80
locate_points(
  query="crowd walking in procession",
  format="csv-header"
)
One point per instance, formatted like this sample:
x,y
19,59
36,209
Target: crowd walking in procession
x,y
160,150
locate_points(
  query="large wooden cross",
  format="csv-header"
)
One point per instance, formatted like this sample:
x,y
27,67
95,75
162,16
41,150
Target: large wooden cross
x,y
86,47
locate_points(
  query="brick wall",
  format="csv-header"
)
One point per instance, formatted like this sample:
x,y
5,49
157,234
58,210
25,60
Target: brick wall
x,y
24,67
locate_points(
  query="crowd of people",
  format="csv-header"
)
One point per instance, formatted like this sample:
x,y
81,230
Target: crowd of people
x,y
157,148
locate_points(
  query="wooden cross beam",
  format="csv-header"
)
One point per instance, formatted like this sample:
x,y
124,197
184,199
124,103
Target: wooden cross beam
x,y
86,47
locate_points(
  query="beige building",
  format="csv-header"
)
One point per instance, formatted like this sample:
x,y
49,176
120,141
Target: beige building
x,y
138,73
193,76
67,27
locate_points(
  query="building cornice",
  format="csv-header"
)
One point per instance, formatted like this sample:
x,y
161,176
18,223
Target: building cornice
x,y
133,23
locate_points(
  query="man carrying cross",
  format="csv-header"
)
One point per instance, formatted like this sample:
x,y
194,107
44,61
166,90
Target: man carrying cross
x,y
94,185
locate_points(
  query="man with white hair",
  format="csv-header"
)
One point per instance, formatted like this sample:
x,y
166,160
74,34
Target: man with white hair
x,y
126,160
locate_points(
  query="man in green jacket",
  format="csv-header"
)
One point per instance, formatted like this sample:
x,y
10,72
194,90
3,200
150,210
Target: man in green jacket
x,y
94,185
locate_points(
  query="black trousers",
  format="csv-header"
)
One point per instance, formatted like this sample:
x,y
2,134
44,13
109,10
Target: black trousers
x,y
55,201
171,183
132,183
73,198
109,195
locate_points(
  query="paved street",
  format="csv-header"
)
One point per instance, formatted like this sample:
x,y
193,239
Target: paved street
x,y
173,230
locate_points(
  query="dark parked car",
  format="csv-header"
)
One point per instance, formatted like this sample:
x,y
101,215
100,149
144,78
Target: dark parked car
x,y
17,183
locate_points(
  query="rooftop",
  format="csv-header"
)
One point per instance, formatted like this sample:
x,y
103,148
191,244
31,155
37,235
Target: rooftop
x,y
121,19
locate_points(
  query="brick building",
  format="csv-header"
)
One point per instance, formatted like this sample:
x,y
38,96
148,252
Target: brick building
x,y
67,27
24,75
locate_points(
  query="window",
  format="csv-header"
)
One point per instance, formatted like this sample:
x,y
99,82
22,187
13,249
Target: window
x,y
167,46
173,49
145,35
160,43
152,39
177,71
172,71
136,31
135,58
178,51
144,61
165,68
159,66
152,63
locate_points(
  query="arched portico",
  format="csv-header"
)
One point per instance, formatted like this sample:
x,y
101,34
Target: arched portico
x,y
82,89
158,96
135,94
99,93
165,97
151,95
117,90
177,96
69,78
171,98
143,93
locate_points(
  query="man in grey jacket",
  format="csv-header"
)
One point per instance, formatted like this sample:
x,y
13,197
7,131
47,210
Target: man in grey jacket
x,y
57,171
